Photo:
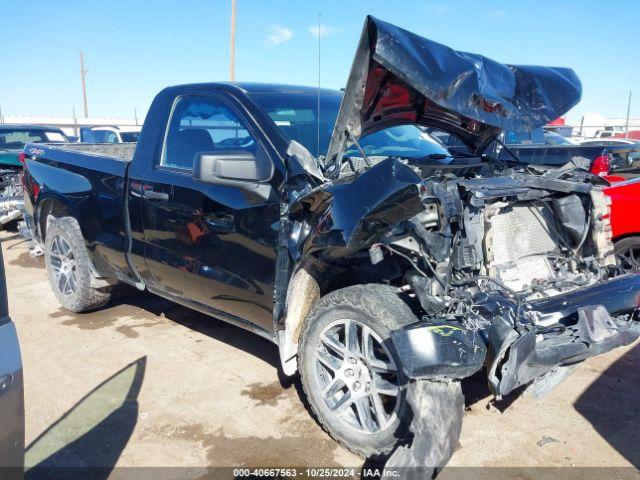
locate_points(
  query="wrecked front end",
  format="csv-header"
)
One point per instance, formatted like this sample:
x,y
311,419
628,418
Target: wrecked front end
x,y
512,271
506,269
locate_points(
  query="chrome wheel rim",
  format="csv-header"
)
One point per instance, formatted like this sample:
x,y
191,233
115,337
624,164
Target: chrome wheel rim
x,y
63,263
357,376
629,259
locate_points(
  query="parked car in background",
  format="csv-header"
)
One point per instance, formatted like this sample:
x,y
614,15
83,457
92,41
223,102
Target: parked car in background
x,y
14,137
626,149
11,392
110,134
547,149
608,131
631,134
610,141
625,222
553,138
12,141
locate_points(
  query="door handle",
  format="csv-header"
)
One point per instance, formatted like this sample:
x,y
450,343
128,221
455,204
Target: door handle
x,y
151,195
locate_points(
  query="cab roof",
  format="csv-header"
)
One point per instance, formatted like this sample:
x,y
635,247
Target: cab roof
x,y
254,87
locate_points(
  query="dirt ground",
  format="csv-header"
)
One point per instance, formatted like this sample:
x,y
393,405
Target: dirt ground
x,y
146,383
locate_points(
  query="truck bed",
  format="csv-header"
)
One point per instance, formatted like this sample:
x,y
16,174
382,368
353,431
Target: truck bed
x,y
91,160
89,180
555,155
118,151
558,155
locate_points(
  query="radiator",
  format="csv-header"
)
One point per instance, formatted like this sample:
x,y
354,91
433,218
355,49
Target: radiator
x,y
516,243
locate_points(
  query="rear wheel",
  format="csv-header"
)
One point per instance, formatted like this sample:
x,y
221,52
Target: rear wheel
x,y
627,251
349,369
69,268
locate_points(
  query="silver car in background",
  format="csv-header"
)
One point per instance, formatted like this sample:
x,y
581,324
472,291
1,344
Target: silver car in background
x,y
11,392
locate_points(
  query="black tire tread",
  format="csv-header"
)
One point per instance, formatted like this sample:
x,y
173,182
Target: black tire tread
x,y
88,297
626,242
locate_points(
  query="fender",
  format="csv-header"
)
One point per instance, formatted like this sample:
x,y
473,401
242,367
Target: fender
x,y
348,216
95,203
330,224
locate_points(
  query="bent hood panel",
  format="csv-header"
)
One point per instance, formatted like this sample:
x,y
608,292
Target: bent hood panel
x,y
398,77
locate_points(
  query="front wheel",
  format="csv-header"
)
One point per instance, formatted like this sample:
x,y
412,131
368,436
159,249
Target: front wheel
x,y
69,267
349,369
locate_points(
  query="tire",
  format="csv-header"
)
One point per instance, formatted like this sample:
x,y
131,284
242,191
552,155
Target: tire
x,y
371,311
627,252
438,408
69,268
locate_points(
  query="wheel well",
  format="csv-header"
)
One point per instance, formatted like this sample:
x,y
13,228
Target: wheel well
x,y
359,270
49,208
626,235
314,280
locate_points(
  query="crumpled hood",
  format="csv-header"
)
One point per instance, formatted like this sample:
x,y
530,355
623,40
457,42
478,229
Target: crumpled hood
x,y
398,77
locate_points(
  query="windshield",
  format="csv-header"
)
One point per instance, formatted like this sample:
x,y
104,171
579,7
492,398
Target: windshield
x,y
16,139
403,141
296,116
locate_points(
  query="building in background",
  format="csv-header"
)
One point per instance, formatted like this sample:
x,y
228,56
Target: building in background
x,y
595,125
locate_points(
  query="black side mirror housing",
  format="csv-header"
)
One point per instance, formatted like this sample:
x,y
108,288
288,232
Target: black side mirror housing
x,y
232,167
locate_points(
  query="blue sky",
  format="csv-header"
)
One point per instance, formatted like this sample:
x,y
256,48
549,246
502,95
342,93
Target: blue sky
x,y
133,48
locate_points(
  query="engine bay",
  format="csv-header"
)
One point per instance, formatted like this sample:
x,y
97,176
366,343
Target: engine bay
x,y
526,237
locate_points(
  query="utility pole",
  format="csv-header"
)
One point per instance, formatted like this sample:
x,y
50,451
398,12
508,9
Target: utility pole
x,y
318,112
83,74
232,43
75,122
135,115
626,128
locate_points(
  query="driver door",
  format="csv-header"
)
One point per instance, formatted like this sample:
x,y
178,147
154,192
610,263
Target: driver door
x,y
211,247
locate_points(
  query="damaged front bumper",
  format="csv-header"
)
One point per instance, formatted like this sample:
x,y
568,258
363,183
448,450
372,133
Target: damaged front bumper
x,y
575,326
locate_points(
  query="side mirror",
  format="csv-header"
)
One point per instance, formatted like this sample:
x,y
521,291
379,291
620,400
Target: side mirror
x,y
231,167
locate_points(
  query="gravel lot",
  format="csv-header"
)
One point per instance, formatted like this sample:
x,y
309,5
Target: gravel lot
x,y
146,383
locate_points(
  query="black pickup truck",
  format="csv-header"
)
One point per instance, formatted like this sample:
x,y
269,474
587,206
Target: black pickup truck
x,y
537,147
383,282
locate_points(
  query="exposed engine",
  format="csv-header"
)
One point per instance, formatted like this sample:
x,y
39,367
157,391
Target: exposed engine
x,y
11,199
527,237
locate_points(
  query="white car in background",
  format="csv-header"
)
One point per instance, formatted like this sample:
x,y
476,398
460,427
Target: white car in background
x,y
110,134
609,141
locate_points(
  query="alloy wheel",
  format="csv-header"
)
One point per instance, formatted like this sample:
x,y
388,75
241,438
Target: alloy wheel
x,y
358,378
629,258
64,266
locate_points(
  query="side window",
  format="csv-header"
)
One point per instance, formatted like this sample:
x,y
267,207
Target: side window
x,y
202,124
